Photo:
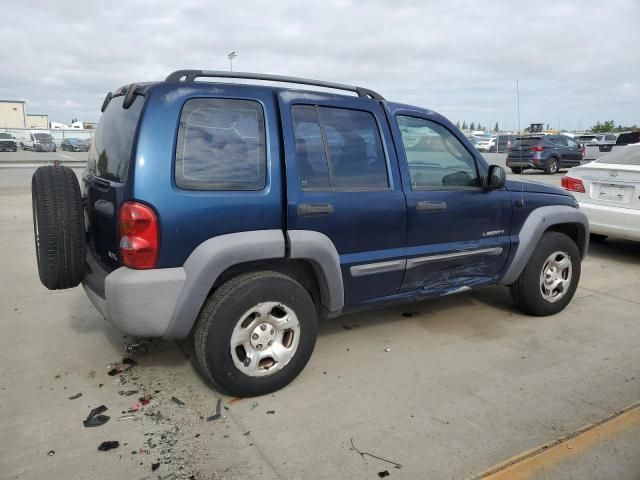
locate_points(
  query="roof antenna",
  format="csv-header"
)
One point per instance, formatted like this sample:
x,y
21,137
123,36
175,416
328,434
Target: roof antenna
x,y
519,133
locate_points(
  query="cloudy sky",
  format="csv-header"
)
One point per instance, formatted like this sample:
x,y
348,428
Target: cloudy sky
x,y
576,60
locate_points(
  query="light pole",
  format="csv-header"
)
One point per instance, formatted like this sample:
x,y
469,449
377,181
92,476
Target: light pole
x,y
231,56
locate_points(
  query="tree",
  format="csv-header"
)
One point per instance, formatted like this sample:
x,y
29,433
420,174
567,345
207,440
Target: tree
x,y
458,124
472,126
464,125
607,126
496,128
547,126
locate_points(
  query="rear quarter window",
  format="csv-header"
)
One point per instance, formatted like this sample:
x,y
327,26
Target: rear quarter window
x,y
110,155
221,145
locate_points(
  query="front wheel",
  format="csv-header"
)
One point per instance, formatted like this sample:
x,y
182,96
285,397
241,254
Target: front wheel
x,y
256,333
549,280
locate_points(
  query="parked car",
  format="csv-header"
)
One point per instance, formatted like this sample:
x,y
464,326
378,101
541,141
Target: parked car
x,y
245,214
608,191
8,143
487,144
593,152
74,145
39,142
503,142
596,139
544,152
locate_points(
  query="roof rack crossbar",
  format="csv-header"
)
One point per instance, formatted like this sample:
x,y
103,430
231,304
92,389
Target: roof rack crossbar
x,y
191,75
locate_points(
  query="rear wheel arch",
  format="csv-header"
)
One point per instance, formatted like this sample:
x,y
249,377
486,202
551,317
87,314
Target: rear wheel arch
x,y
575,231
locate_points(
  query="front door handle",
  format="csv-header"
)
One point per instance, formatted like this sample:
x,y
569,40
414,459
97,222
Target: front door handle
x,y
314,209
429,206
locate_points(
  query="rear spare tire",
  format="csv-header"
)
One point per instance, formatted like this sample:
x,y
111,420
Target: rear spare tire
x,y
58,224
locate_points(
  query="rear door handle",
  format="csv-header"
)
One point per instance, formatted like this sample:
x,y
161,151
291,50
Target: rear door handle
x,y
429,206
314,209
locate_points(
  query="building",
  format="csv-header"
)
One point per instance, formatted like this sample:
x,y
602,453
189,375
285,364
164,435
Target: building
x,y
13,114
37,121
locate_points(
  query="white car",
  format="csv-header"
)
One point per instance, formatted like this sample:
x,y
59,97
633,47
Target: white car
x,y
608,191
486,144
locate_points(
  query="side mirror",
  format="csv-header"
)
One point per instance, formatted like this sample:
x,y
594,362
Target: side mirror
x,y
496,177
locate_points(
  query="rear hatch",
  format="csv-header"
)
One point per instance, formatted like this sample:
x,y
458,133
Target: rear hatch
x,y
521,148
110,157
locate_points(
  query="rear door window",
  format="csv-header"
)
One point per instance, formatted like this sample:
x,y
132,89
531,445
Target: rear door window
x,y
339,148
114,140
221,145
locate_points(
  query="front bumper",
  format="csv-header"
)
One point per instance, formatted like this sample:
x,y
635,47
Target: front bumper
x,y
613,221
137,302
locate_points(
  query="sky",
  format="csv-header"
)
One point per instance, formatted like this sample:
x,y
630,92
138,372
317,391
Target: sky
x,y
576,61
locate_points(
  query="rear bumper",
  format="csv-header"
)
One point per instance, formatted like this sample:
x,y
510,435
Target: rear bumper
x,y
137,302
523,164
613,221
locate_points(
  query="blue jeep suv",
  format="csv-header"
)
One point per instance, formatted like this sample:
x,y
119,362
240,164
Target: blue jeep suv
x,y
241,215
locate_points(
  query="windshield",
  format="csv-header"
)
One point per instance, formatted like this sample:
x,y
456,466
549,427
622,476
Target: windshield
x,y
73,140
629,155
5,135
42,136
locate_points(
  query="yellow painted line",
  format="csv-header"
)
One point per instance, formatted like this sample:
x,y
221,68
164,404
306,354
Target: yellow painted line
x,y
531,462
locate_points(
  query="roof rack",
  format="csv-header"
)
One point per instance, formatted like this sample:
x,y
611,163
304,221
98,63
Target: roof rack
x,y
191,75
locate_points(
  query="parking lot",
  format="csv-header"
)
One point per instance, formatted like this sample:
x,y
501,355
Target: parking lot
x,y
449,388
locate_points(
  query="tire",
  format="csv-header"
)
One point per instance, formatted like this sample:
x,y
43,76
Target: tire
x,y
526,292
552,166
227,311
517,170
596,237
58,224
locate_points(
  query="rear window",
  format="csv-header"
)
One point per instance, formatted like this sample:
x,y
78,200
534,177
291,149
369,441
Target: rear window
x,y
5,135
624,156
111,153
42,136
221,145
526,142
628,137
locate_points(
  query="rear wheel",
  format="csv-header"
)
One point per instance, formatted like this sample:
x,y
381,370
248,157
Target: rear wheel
x,y
552,166
548,282
256,333
517,170
58,225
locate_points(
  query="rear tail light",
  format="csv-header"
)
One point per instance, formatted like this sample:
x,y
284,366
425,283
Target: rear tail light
x,y
138,236
509,150
572,184
537,148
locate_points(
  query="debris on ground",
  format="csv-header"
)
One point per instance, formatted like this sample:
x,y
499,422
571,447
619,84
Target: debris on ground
x,y
126,417
118,368
129,361
134,407
127,393
387,350
108,445
144,401
51,453
271,412
217,414
363,453
77,395
95,419
136,347
154,466
384,473
177,401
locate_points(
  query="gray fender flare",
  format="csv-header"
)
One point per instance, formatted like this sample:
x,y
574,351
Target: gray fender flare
x,y
208,261
538,221
321,253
